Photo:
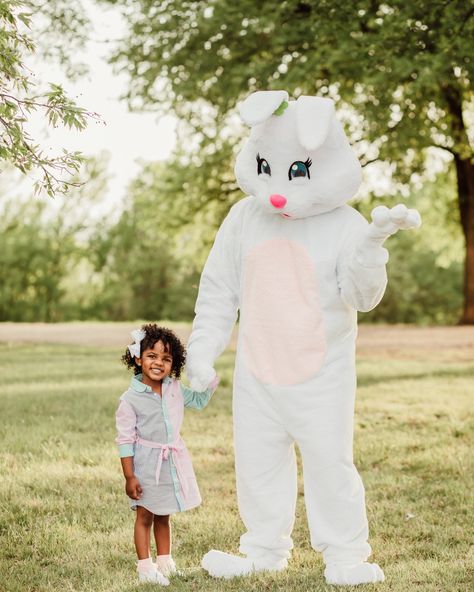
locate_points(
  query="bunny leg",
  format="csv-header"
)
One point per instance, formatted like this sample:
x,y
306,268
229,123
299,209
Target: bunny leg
x,y
266,490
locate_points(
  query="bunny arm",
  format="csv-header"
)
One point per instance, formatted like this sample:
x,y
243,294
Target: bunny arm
x,y
217,302
361,272
363,276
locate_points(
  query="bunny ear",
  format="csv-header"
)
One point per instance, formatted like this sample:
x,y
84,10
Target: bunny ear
x,y
313,120
260,105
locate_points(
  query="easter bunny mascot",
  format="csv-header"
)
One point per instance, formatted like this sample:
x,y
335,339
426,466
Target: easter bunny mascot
x,y
298,263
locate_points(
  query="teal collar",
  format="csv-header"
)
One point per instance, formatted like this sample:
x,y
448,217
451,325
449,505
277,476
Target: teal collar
x,y
137,385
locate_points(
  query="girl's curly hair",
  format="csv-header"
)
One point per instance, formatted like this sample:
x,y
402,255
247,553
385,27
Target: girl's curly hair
x,y
172,345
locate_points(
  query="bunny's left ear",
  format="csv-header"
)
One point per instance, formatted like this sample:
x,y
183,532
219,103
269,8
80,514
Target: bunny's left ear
x,y
313,120
260,105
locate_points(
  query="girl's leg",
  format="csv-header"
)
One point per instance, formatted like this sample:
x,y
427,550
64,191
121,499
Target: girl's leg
x,y
143,522
162,532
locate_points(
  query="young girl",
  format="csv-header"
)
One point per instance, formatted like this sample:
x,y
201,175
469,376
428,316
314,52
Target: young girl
x,y
159,477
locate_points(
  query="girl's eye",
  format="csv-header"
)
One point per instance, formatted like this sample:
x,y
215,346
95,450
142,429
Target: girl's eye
x,y
262,166
299,169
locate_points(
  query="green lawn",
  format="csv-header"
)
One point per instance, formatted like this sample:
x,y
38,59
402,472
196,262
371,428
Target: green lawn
x,y
64,519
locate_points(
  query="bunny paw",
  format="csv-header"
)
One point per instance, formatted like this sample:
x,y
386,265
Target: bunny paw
x,y
387,221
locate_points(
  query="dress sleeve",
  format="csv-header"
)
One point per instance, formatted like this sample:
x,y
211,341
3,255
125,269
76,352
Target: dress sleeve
x,y
126,421
198,400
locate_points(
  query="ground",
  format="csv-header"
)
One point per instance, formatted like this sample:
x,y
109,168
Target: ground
x,y
64,518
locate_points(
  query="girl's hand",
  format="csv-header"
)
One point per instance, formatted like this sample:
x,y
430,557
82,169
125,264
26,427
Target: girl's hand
x,y
133,488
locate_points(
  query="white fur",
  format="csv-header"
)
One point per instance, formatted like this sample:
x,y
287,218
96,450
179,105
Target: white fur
x,y
225,565
314,117
326,264
259,106
352,575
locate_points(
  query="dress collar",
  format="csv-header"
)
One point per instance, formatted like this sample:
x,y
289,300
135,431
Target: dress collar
x,y
137,385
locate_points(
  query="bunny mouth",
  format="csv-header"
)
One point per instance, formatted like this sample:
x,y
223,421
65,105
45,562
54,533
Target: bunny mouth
x,y
283,215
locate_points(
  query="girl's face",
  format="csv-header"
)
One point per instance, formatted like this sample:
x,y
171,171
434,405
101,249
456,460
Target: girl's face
x,y
156,364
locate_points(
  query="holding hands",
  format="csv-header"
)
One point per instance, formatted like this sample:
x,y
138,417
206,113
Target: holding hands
x,y
200,375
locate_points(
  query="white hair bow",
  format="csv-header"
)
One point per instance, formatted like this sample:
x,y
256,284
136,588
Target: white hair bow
x,y
134,348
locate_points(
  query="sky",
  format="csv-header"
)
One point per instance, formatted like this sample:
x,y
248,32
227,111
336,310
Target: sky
x,y
128,138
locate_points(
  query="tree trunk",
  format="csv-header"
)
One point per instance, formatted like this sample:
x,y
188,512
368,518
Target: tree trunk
x,y
465,182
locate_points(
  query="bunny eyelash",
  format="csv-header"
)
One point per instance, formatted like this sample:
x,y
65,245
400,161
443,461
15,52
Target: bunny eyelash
x,y
259,164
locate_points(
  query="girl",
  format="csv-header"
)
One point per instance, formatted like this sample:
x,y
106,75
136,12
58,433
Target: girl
x,y
159,477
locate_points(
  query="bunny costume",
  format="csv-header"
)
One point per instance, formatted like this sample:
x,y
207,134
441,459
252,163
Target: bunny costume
x,y
298,263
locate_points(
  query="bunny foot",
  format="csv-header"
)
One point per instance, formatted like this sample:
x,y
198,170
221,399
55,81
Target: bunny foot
x,y
224,565
352,575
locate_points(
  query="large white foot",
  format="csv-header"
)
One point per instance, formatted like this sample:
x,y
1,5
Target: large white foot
x,y
224,565
351,575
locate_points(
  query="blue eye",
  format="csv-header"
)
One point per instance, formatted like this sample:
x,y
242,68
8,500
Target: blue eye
x,y
263,166
299,169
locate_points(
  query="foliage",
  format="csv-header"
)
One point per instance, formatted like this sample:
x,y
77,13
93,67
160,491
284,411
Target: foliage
x,y
425,268
65,521
20,96
33,260
42,248
419,290
140,258
403,66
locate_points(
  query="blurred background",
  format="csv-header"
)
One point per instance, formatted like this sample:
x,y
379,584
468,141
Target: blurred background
x,y
119,131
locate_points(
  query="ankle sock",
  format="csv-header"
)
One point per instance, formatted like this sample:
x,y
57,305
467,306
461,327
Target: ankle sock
x,y
165,564
144,565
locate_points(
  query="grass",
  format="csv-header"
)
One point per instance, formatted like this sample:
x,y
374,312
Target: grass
x,y
64,518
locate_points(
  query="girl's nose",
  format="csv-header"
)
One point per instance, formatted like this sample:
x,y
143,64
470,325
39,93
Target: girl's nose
x,y
278,201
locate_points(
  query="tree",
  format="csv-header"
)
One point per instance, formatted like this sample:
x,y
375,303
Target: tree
x,y
20,96
405,67
148,261
43,244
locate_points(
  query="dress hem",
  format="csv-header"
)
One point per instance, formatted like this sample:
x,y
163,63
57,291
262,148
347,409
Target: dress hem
x,y
167,512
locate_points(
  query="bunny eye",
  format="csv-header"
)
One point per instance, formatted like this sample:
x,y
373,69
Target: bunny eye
x,y
262,166
299,169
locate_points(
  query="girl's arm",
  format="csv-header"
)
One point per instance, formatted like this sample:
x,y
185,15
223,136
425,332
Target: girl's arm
x,y
132,486
198,400
126,421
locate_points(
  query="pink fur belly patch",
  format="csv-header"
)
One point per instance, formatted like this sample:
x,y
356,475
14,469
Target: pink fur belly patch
x,y
282,331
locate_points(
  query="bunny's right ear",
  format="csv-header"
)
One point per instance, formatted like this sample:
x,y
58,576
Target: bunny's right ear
x,y
260,105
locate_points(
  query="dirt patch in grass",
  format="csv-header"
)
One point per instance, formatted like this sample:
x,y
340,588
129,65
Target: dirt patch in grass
x,y
379,340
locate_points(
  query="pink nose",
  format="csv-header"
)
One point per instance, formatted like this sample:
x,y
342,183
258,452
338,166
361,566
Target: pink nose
x,y
278,201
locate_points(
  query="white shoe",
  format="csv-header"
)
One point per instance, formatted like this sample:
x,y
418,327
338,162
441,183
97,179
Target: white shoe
x,y
152,576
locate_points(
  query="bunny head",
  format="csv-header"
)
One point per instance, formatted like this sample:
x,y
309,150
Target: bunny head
x,y
297,161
